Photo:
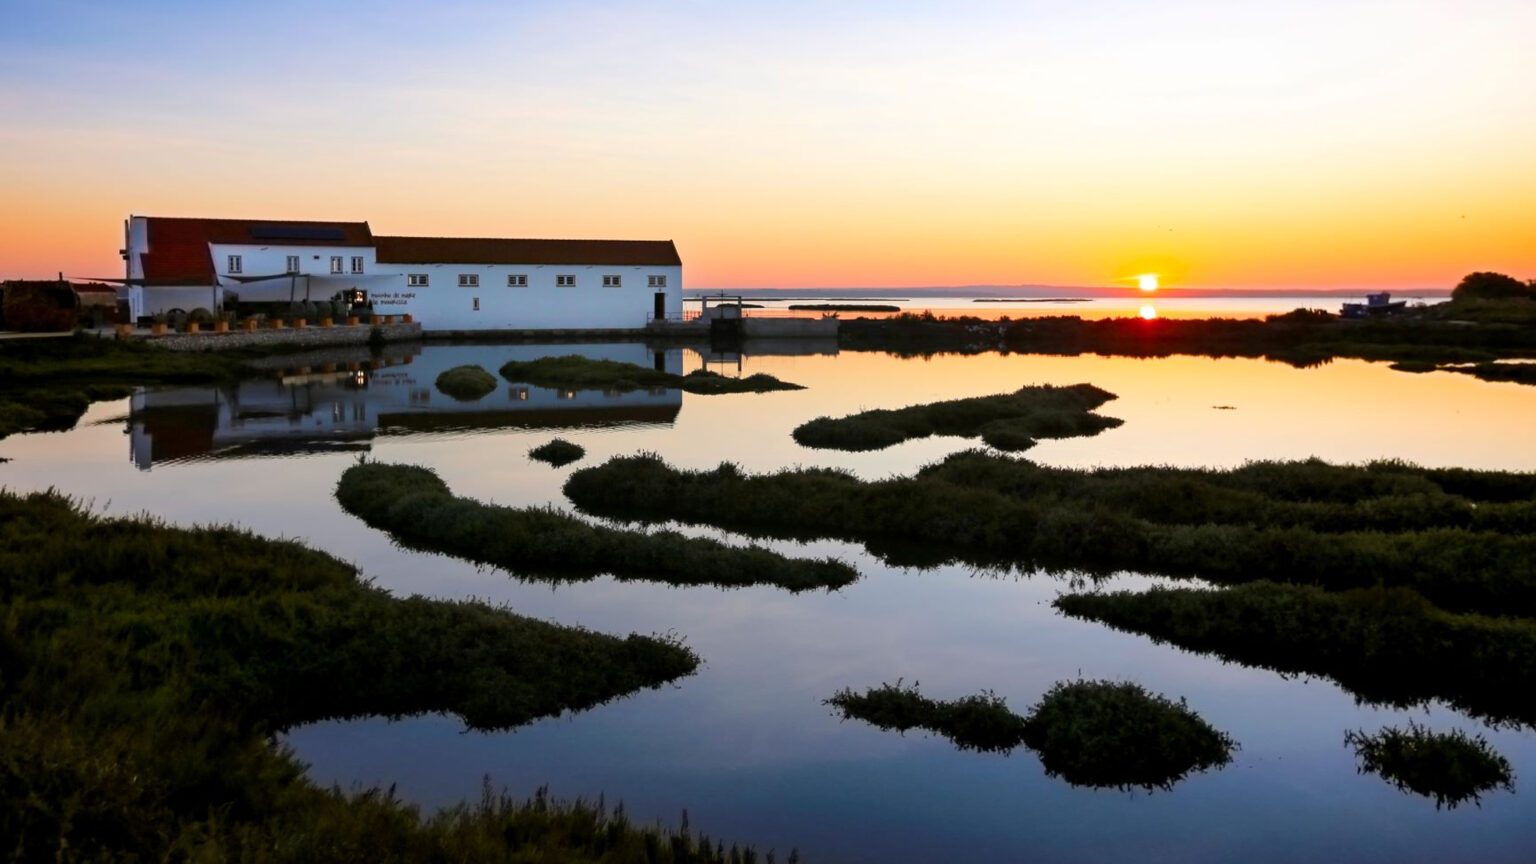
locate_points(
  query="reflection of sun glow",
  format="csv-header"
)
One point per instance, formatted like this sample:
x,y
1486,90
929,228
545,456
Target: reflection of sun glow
x,y
1148,312
1147,281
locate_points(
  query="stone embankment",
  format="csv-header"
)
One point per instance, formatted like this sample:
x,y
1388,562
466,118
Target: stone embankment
x,y
346,334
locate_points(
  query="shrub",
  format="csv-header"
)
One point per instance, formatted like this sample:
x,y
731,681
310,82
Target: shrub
x,y
980,722
1104,734
466,383
1452,767
557,452
1489,286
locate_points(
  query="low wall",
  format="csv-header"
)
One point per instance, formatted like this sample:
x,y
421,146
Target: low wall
x,y
789,328
356,334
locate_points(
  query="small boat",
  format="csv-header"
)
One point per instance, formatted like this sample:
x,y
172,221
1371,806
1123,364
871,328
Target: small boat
x,y
1379,303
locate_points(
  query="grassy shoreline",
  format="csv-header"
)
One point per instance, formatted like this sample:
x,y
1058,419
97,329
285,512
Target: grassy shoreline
x,y
146,669
1460,538
575,372
417,508
1009,421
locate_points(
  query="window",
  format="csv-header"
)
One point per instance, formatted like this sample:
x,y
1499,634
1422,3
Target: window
x,y
234,264
357,263
517,394
416,280
335,263
657,281
469,280
568,281
517,280
293,264
612,281
477,305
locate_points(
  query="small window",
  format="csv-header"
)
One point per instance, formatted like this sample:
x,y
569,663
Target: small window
x,y
357,263
234,264
416,280
477,305
517,280
335,263
657,281
469,280
612,281
293,264
565,281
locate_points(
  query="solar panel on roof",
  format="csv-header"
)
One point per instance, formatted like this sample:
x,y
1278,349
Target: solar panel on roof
x,y
297,232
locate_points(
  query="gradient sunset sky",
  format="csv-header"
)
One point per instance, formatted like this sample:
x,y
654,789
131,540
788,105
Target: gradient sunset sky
x,y
1295,144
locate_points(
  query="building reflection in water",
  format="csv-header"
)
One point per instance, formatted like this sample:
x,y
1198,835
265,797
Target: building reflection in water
x,y
340,401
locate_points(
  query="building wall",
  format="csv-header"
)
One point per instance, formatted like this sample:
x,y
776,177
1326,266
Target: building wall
x,y
443,304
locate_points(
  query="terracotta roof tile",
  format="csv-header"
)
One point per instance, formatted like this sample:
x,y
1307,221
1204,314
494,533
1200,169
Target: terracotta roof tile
x,y
178,247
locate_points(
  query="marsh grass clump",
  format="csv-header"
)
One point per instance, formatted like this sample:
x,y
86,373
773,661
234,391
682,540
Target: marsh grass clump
x,y
417,509
1010,421
468,383
1386,645
557,452
1117,735
144,690
980,722
1451,767
1465,540
575,372
47,384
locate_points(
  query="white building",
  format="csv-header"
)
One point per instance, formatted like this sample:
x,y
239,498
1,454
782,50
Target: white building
x,y
446,283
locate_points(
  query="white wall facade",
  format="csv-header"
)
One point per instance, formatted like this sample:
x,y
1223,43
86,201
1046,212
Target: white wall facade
x,y
543,304
441,304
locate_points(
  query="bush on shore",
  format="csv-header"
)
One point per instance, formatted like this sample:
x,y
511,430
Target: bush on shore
x,y
417,509
1451,767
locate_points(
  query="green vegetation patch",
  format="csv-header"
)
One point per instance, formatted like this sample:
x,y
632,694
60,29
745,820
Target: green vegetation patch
x,y
466,383
147,668
576,372
417,509
1451,767
557,452
1464,539
46,384
980,722
1386,645
1104,734
1010,421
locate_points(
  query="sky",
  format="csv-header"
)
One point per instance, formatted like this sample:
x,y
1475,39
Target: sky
x,y
1296,144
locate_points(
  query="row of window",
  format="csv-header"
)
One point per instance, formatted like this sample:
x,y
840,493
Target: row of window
x,y
466,280
236,265
520,280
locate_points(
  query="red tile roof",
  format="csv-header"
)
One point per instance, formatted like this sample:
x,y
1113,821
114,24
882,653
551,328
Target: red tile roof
x,y
471,250
178,247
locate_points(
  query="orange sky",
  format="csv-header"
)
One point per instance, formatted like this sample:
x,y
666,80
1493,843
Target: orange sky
x,y
1297,144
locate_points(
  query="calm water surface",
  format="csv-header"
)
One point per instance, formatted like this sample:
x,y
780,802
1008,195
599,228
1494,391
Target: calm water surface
x,y
746,745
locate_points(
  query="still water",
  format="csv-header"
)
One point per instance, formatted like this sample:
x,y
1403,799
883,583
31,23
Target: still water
x,y
746,745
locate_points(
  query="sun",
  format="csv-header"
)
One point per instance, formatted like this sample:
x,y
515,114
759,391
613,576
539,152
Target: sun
x,y
1147,282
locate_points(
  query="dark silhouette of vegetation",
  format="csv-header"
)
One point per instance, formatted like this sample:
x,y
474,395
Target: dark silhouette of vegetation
x,y
843,307
1388,646
417,509
1452,332
1088,733
980,722
466,383
1010,421
1451,767
576,372
46,384
1519,373
1117,735
1490,286
557,452
1463,539
146,670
